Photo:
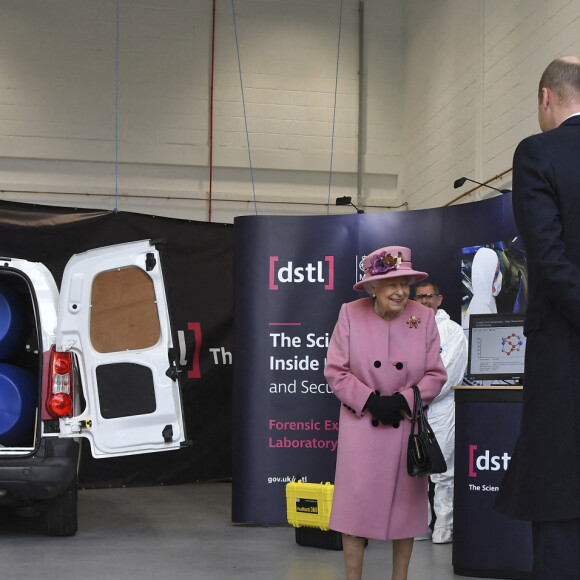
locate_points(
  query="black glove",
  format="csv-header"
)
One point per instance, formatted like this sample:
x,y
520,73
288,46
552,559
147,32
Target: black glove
x,y
387,408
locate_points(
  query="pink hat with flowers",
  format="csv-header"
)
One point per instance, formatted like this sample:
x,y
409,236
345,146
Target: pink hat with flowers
x,y
388,262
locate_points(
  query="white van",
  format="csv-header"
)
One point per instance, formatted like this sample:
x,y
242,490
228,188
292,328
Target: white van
x,y
95,360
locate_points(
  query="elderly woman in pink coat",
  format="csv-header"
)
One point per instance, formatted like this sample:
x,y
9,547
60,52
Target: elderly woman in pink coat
x,y
381,346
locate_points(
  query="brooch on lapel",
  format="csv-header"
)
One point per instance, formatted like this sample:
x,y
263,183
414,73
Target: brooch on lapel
x,y
414,321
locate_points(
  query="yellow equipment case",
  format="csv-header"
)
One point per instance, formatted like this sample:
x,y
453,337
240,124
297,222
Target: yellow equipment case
x,y
308,508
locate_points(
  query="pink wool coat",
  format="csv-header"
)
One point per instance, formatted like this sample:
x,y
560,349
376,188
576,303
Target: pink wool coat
x,y
374,497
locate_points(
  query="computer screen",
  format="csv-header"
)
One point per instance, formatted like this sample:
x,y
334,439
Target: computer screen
x,y
497,347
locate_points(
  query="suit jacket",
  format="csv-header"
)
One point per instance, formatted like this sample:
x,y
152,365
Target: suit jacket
x,y
543,479
373,495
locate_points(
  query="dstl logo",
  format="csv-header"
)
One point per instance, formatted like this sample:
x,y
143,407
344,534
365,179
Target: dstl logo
x,y
486,461
321,272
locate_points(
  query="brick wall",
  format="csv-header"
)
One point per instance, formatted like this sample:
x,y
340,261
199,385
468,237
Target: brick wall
x,y
448,90
471,76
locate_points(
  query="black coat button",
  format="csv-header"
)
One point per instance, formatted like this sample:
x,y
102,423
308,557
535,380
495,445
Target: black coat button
x,y
374,423
399,366
377,364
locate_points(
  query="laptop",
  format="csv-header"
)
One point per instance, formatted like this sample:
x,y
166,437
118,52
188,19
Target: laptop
x,y
497,347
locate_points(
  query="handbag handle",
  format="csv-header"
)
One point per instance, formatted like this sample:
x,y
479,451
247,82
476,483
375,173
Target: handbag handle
x,y
419,415
418,412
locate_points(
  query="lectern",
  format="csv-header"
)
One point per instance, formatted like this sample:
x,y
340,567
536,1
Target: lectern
x,y
486,544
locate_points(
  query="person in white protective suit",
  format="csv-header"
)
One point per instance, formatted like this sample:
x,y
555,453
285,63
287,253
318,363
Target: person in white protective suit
x,y
442,409
486,279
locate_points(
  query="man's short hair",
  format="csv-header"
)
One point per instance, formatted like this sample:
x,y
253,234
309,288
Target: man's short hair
x,y
428,282
562,76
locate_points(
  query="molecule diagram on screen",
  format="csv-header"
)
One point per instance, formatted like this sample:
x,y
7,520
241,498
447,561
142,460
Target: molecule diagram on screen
x,y
511,343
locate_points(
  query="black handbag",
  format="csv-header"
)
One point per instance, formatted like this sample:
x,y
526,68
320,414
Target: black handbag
x,y
424,455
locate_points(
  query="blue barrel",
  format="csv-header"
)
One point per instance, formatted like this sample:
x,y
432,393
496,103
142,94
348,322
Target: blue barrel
x,y
18,402
13,331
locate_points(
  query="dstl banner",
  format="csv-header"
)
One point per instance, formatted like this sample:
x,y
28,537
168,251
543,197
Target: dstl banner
x,y
486,543
291,276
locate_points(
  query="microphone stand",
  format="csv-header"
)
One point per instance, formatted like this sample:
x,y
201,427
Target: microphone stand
x,y
459,182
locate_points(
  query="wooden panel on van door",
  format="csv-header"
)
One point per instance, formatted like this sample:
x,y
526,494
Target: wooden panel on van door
x,y
124,312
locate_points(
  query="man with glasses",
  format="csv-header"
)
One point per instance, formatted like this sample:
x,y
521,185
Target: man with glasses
x,y
442,409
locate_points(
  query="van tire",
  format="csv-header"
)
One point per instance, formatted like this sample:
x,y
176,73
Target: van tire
x,y
60,513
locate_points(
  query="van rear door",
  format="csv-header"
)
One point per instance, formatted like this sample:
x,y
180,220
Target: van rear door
x,y
113,317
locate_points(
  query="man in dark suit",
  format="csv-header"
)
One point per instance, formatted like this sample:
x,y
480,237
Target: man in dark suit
x,y
542,484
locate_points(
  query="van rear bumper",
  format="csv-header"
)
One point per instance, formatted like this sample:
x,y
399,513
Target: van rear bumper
x,y
45,474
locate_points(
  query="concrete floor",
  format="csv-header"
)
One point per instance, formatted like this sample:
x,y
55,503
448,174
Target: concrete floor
x,y
183,532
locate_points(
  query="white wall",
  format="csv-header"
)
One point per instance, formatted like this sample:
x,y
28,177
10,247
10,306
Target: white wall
x,y
472,69
449,90
58,113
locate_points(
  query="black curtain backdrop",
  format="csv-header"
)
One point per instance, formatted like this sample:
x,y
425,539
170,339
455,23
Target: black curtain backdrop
x,y
198,267
198,262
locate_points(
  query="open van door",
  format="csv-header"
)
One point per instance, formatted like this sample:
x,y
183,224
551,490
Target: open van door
x,y
113,318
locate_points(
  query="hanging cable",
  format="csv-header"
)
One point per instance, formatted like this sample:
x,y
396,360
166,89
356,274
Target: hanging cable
x,y
334,110
244,107
211,113
117,111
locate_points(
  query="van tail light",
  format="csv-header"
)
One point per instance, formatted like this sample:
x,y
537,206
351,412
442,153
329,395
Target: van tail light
x,y
60,388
